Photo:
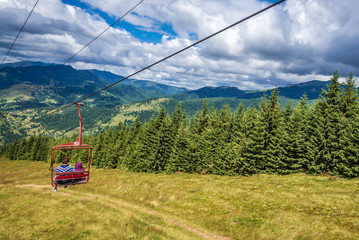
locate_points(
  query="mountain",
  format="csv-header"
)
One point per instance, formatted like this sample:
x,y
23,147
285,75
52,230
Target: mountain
x,y
32,70
26,92
31,86
212,92
30,89
142,84
33,73
25,64
312,89
38,75
295,91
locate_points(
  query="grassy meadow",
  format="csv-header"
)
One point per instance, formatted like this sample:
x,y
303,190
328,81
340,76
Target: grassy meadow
x,y
123,205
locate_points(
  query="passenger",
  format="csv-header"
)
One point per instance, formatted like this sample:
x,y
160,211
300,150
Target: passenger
x,y
78,167
65,167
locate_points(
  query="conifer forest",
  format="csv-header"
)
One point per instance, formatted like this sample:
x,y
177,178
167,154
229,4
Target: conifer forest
x,y
306,138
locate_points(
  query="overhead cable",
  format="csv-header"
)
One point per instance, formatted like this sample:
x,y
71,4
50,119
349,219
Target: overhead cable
x,y
19,32
163,59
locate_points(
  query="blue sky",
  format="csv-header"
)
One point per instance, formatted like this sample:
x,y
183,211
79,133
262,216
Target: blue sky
x,y
144,35
294,42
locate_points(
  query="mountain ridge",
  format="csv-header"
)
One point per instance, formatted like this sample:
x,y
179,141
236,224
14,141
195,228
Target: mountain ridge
x,y
311,88
26,93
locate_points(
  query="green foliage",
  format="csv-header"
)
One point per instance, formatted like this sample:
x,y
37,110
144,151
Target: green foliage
x,y
246,141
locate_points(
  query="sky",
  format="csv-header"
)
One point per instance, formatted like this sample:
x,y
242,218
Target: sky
x,y
294,42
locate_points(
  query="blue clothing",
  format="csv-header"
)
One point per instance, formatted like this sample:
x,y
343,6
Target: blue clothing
x,y
63,169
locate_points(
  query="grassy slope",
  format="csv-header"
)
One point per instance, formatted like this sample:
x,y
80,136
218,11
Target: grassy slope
x,y
124,205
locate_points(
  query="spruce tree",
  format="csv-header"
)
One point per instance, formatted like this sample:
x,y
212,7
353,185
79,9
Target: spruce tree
x,y
131,141
253,147
272,147
163,149
348,164
180,160
238,125
295,143
201,120
349,103
177,118
314,132
331,115
143,158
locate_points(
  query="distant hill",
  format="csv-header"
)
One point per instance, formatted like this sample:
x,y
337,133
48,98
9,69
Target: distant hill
x,y
211,92
142,84
64,86
312,89
25,64
34,72
37,75
26,93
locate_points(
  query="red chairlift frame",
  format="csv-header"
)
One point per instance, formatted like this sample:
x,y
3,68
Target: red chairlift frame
x,y
72,178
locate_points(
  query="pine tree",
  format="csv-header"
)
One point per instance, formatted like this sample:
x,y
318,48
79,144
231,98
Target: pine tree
x,y
201,120
164,146
348,164
272,147
120,146
349,103
131,141
98,153
180,160
314,132
331,114
253,148
43,149
238,124
143,158
225,124
35,148
177,118
295,142
12,150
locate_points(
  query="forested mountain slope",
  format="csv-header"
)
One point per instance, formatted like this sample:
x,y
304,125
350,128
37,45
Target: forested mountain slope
x,y
27,91
322,138
312,89
30,89
142,84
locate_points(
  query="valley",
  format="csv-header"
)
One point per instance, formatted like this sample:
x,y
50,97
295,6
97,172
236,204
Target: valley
x,y
26,95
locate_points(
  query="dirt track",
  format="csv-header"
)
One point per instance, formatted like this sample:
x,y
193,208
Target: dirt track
x,y
130,208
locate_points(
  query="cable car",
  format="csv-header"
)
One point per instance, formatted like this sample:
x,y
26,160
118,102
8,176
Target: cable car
x,y
76,177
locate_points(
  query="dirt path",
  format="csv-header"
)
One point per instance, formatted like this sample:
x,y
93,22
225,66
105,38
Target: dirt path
x,y
131,208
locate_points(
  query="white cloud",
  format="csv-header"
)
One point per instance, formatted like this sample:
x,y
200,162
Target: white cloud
x,y
293,42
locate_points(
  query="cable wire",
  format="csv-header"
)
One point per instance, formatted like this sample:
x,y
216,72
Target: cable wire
x,y
163,59
19,32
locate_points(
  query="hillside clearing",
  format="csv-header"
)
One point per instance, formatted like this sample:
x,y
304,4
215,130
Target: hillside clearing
x,y
124,205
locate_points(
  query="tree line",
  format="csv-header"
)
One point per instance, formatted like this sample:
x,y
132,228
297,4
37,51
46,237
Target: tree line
x,y
263,139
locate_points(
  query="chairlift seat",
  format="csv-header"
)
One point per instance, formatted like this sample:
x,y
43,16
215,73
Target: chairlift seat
x,y
71,178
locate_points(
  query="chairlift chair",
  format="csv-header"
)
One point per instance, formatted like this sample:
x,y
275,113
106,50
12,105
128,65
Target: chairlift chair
x,y
71,178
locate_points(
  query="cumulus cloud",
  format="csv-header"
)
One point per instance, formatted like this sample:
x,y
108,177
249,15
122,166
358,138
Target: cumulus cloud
x,y
294,42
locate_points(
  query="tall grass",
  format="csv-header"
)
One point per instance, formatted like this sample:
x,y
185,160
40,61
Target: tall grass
x,y
124,205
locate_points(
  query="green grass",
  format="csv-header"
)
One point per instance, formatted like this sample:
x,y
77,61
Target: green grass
x,y
124,205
